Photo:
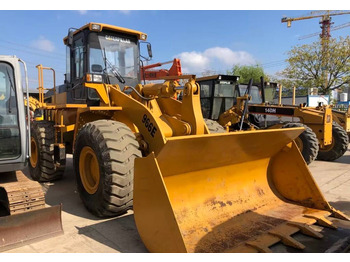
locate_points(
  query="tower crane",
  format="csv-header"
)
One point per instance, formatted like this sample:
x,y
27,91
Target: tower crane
x,y
326,17
333,28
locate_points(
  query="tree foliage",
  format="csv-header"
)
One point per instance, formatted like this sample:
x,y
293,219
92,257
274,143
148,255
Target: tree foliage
x,y
245,73
305,65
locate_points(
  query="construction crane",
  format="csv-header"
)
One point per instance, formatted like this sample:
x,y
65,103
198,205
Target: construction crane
x,y
326,17
333,28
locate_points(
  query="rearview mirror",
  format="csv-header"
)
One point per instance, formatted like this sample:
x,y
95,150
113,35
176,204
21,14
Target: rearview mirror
x,y
96,68
149,49
70,38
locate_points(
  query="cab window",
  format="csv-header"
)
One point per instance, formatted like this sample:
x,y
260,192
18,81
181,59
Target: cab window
x,y
9,128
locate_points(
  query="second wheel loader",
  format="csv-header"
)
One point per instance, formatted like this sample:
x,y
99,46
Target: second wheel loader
x,y
223,100
135,146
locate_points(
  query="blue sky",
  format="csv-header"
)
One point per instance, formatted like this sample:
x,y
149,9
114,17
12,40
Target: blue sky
x,y
203,40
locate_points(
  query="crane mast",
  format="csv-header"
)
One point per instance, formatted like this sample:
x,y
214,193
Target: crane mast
x,y
326,17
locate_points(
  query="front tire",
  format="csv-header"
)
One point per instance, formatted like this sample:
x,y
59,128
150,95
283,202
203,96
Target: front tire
x,y
104,156
340,142
307,142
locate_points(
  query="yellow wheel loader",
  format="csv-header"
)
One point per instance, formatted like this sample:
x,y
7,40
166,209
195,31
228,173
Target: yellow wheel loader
x,y
23,215
223,100
135,146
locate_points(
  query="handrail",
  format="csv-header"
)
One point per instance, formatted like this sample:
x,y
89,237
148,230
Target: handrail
x,y
279,94
41,88
28,110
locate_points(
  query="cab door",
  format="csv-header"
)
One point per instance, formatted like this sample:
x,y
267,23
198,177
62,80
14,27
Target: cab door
x,y
76,90
10,139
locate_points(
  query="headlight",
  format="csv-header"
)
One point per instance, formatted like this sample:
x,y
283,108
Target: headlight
x,y
143,37
97,78
95,27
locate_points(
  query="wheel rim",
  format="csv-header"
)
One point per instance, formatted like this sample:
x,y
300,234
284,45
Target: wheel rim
x,y
34,152
328,148
299,143
89,170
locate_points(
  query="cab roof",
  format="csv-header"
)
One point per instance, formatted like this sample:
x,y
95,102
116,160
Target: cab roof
x,y
98,27
219,77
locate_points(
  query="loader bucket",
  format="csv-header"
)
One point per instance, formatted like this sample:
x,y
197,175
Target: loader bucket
x,y
25,228
231,192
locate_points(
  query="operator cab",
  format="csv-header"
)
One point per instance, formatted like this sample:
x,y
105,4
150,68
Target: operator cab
x,y
218,93
101,54
9,126
14,136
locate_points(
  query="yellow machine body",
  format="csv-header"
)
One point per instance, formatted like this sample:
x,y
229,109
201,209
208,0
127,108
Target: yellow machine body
x,y
195,191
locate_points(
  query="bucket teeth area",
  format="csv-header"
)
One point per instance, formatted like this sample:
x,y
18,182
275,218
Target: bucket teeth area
x,y
259,245
284,233
287,239
306,229
321,220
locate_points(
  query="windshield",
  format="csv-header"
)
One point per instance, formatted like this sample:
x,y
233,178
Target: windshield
x,y
224,99
9,130
112,54
270,92
224,90
254,92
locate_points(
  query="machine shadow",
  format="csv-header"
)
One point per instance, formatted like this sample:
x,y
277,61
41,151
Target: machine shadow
x,y
343,206
128,240
345,159
64,192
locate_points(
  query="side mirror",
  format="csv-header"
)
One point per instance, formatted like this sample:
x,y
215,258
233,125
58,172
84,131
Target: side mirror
x,y
149,49
70,38
97,68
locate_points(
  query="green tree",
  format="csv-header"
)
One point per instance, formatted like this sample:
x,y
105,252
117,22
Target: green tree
x,y
245,73
305,67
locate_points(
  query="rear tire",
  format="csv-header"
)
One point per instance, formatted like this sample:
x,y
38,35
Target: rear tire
x,y
214,127
307,142
42,166
104,156
340,142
